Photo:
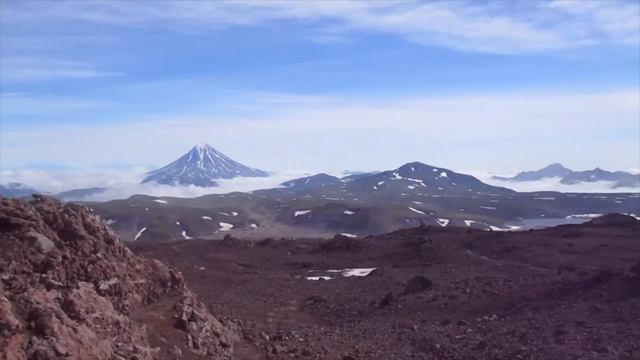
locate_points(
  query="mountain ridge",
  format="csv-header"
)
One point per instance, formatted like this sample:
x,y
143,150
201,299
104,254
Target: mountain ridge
x,y
572,177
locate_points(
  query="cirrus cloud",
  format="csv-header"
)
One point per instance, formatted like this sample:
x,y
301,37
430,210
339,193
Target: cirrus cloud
x,y
494,27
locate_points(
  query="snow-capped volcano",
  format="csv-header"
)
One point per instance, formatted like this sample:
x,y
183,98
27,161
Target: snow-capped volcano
x,y
201,166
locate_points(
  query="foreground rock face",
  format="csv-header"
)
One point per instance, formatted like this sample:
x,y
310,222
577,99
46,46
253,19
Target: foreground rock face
x,y
69,289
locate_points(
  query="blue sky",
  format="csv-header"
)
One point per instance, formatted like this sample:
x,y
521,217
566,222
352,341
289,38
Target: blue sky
x,y
321,86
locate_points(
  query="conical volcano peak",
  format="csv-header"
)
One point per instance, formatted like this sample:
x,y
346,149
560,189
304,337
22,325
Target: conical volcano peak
x,y
201,166
206,152
204,147
556,166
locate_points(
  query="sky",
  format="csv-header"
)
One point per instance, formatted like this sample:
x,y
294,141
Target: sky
x,y
496,86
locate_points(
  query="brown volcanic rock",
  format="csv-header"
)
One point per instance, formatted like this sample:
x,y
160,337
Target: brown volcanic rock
x,y
493,295
69,289
339,243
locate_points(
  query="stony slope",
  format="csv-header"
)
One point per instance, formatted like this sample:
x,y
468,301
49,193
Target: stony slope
x,y
69,289
569,292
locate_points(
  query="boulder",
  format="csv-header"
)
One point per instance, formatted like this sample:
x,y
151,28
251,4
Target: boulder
x,y
417,284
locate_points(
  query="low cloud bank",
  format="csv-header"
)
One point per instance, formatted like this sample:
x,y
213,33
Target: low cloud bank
x,y
121,184
56,181
554,184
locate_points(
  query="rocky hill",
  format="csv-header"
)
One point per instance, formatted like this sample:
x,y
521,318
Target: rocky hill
x,y
69,289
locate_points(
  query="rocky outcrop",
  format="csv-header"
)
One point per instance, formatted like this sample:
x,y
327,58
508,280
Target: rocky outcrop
x,y
615,220
69,289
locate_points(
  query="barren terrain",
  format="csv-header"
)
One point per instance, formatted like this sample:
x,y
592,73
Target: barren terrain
x,y
570,292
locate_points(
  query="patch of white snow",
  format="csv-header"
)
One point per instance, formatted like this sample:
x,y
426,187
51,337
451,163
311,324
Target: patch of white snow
x,y
139,233
225,226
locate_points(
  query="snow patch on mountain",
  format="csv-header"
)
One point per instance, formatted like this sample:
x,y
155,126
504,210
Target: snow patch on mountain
x,y
301,212
139,233
225,226
202,166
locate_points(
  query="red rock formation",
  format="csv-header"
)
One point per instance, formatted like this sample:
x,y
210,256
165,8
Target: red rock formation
x,y
70,290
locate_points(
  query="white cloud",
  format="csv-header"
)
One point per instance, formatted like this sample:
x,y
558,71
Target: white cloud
x,y
457,131
21,68
553,184
619,20
122,184
121,191
53,181
495,27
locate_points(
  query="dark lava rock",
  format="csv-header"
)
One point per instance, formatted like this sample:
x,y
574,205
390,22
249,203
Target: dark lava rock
x,y
417,284
567,268
315,299
387,300
339,243
380,272
482,345
614,220
602,276
635,269
231,241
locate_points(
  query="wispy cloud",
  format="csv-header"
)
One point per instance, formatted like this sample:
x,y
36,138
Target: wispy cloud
x,y
494,27
22,68
23,104
617,20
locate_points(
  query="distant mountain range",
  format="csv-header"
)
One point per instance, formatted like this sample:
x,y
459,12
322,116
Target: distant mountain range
x,y
571,177
76,194
16,190
409,179
201,166
357,205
